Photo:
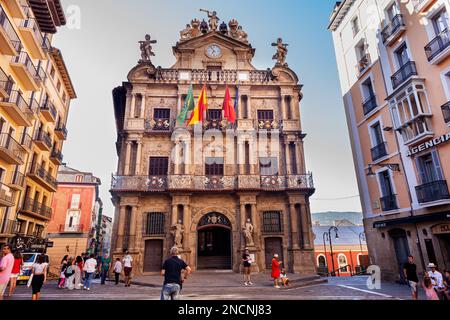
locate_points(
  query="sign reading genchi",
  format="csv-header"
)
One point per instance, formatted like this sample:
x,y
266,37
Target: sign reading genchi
x,y
429,144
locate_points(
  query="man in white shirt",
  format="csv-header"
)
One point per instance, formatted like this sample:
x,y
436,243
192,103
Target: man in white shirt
x,y
89,266
127,267
436,277
117,270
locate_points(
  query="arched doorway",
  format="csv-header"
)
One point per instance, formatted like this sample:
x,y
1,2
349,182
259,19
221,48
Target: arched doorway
x,y
214,242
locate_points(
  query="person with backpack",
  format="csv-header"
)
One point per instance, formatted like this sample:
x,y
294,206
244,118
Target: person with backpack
x,y
62,277
70,274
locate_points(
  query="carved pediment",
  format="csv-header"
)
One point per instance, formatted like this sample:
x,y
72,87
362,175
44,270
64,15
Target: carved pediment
x,y
211,37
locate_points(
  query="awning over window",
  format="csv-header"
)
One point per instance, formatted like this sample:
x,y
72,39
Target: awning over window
x,y
414,219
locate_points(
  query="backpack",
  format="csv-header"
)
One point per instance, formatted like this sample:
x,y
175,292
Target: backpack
x,y
69,271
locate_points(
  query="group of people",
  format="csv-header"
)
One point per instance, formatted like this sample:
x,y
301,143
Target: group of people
x,y
435,285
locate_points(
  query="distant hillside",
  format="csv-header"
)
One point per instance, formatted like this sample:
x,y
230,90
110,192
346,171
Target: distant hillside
x,y
329,218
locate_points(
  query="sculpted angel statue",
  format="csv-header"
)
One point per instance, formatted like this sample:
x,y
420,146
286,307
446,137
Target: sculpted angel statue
x,y
281,54
248,233
213,19
177,231
146,48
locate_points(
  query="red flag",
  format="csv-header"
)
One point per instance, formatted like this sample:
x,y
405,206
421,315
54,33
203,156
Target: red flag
x,y
229,112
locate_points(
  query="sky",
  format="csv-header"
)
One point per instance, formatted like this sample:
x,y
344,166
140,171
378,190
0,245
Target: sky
x,y
100,46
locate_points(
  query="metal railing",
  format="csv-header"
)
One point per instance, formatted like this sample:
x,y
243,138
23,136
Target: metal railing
x,y
31,23
35,207
18,100
363,63
5,82
432,191
24,58
389,202
44,137
446,112
438,45
48,106
6,193
395,25
13,147
71,228
17,178
40,171
159,125
379,151
26,140
9,30
57,154
369,104
404,73
62,128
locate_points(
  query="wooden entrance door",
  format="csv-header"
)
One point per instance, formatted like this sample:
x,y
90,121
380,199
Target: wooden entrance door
x,y
153,255
272,246
401,249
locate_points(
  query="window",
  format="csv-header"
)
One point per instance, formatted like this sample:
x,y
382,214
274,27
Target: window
x,y
440,22
52,72
154,224
377,135
362,55
159,166
215,114
58,86
429,167
214,166
392,11
75,202
64,97
367,89
163,114
265,115
272,222
38,231
355,26
321,263
385,183
268,166
401,55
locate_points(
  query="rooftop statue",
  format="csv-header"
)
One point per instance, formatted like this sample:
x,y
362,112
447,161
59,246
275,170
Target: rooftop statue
x,y
204,26
213,19
146,49
242,35
191,31
223,28
233,24
281,54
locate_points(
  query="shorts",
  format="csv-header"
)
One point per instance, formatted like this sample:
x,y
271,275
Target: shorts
x,y
413,286
247,270
127,271
3,288
14,275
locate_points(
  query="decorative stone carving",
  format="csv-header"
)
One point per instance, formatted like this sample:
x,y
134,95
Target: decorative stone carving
x,y
249,182
180,182
273,182
242,35
234,24
177,231
191,31
281,54
248,233
213,19
214,218
146,49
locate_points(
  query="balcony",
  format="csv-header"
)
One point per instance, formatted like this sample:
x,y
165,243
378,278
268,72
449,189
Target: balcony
x,y
37,44
269,125
422,5
36,209
10,150
300,181
18,109
16,8
198,76
432,191
43,177
363,64
9,40
159,126
56,157
369,104
379,151
139,183
5,85
7,196
446,112
48,111
249,182
43,141
215,124
61,132
404,73
16,180
439,48
393,30
8,227
26,72
75,228
389,202
26,141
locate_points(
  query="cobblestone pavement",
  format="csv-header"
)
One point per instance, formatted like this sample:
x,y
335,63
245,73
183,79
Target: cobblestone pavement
x,y
229,287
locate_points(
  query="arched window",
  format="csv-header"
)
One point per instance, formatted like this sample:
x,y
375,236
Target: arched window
x,y
321,262
342,261
358,260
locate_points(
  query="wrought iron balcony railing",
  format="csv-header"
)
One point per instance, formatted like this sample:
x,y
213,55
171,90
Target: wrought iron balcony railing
x,y
379,151
389,202
12,149
392,28
7,195
75,228
404,73
48,106
24,59
5,82
31,23
369,104
9,30
432,191
159,125
438,45
39,171
61,129
45,138
363,63
37,208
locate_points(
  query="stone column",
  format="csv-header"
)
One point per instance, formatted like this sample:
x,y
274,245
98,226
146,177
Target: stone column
x,y
139,158
133,105
179,106
177,159
288,158
187,226
307,236
300,166
249,107
242,224
143,107
187,157
241,157
252,156
255,222
174,214
120,229
294,226
133,228
283,108
139,230
127,158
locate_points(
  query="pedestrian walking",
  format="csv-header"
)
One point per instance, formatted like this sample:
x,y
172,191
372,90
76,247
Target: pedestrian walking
x,y
78,267
62,277
90,266
427,285
39,276
106,262
247,266
70,274
6,266
18,262
127,267
436,278
410,272
276,270
117,270
171,271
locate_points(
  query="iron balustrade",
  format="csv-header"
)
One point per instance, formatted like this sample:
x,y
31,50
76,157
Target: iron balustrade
x,y
62,128
393,27
17,178
222,75
48,106
26,140
31,23
432,191
45,138
379,151
16,98
7,194
40,171
13,147
5,82
369,104
389,202
57,155
35,207
8,227
404,73
446,112
24,59
363,63
438,45
9,30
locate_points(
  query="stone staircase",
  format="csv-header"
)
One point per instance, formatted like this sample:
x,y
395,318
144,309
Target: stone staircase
x,y
214,262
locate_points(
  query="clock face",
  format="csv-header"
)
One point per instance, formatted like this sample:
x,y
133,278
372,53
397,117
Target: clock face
x,y
213,51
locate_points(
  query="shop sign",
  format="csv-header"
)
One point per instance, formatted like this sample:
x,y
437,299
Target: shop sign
x,y
441,229
429,144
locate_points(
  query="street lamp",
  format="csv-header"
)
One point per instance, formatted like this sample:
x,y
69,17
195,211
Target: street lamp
x,y
327,237
390,166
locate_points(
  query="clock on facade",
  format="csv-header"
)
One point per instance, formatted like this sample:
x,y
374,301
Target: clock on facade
x,y
213,51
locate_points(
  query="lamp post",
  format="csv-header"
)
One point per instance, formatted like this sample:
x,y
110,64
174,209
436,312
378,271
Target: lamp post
x,y
327,235
325,250
362,237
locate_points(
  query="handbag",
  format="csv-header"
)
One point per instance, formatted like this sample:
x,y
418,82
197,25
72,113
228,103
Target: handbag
x,y
29,281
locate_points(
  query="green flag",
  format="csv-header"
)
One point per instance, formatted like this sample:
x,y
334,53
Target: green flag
x,y
189,105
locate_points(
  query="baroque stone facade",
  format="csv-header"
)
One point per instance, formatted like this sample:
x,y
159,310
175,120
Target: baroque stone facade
x,y
216,187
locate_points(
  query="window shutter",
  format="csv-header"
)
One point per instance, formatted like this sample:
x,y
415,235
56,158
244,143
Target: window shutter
x,y
437,165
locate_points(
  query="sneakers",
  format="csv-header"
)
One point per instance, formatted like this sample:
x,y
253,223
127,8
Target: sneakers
x,y
85,288
88,289
278,287
246,284
250,283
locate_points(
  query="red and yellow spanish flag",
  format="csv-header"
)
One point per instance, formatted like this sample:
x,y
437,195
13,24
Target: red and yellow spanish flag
x,y
197,114
228,108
